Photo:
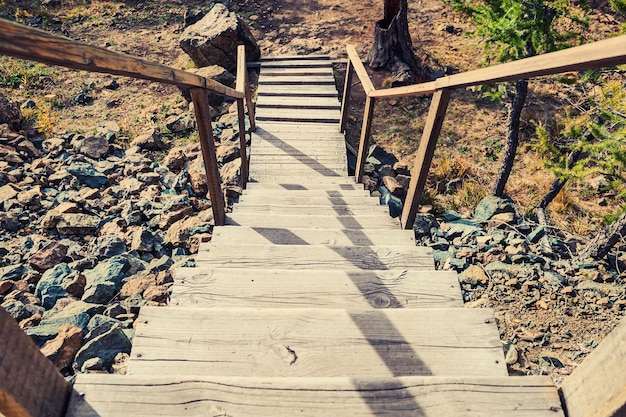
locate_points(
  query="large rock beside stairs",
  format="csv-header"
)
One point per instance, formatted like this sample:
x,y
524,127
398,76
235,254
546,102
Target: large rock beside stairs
x,y
214,39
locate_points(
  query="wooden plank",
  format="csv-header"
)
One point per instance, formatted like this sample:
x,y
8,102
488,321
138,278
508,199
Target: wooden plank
x,y
322,132
315,257
304,200
296,80
352,289
299,236
364,142
297,58
345,102
304,179
308,63
205,132
309,128
359,192
140,396
301,90
293,187
278,174
314,222
268,71
38,45
30,385
262,209
364,77
309,148
425,152
299,102
315,342
605,53
273,155
598,386
297,114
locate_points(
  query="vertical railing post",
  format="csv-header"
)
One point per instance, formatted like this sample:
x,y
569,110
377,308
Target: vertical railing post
x,y
419,173
249,104
345,103
242,87
364,143
205,131
30,384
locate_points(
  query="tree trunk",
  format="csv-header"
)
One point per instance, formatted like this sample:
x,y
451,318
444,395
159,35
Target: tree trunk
x,y
521,91
600,246
392,47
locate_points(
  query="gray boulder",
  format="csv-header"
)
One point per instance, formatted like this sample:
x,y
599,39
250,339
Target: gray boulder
x,y
105,280
492,205
105,346
214,39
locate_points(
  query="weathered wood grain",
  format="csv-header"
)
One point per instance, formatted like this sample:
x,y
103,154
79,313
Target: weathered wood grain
x,y
311,257
305,200
296,72
309,128
343,210
298,236
38,45
298,102
297,160
291,186
314,222
296,63
304,179
351,289
364,194
605,53
597,388
303,148
30,385
280,172
305,135
285,79
327,90
139,396
316,342
359,69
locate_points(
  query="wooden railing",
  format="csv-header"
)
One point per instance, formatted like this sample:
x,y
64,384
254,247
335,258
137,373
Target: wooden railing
x,y
606,53
37,45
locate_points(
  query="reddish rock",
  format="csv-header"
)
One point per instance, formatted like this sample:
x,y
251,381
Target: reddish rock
x,y
164,277
157,293
393,186
137,286
77,286
171,217
175,160
49,256
5,287
62,349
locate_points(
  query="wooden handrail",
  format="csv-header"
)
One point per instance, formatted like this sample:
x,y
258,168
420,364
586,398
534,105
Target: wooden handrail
x,y
33,44
605,53
37,45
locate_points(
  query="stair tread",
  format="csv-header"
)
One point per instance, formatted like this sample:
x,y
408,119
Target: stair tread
x,y
303,236
286,185
152,396
314,256
353,289
313,221
301,342
311,193
345,210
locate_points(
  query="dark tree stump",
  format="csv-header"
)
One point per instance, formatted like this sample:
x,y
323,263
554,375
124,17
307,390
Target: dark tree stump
x,y
392,47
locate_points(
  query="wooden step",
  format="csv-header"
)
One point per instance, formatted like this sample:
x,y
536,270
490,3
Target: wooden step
x,y
303,180
307,128
365,194
303,63
314,222
303,149
325,90
298,158
269,71
345,210
316,170
298,236
304,200
297,81
312,137
317,342
351,289
298,103
312,257
166,396
293,187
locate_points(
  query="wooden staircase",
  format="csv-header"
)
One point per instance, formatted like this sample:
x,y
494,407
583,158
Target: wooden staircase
x,y
312,301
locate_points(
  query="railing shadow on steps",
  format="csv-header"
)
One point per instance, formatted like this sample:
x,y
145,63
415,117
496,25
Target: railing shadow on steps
x,y
37,45
605,53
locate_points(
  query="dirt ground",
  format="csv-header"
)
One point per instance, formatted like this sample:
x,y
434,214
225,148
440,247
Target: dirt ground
x,y
473,128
